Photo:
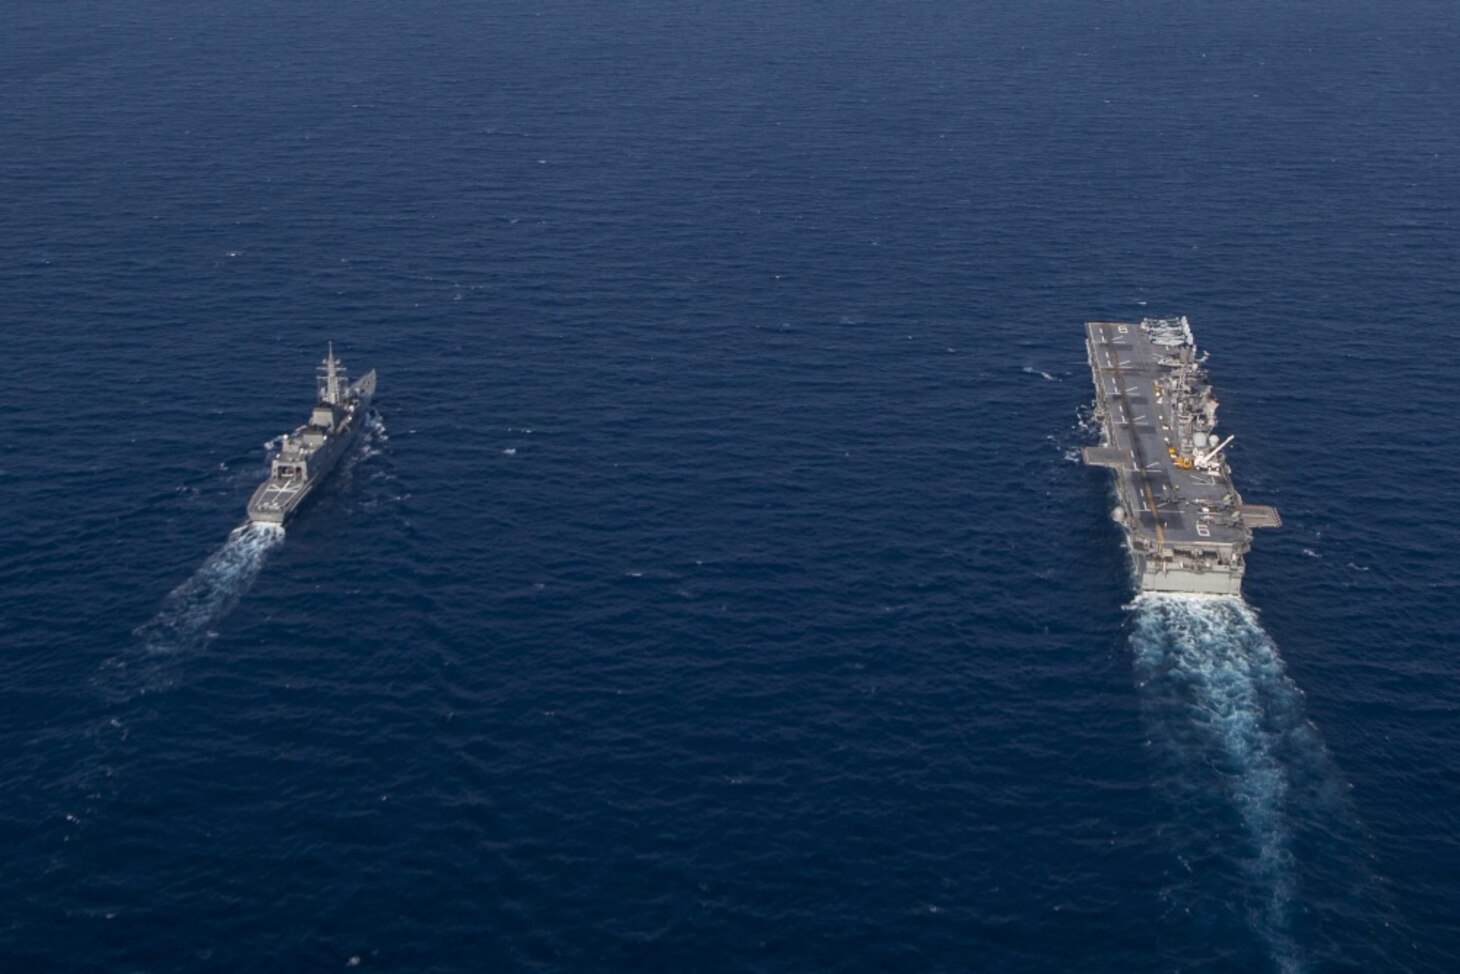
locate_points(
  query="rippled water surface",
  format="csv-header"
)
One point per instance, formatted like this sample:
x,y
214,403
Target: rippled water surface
x,y
716,589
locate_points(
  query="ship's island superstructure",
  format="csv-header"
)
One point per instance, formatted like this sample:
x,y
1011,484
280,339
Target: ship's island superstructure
x,y
307,455
1186,526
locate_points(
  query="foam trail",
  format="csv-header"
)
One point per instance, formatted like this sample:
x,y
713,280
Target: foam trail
x,y
191,610
1218,698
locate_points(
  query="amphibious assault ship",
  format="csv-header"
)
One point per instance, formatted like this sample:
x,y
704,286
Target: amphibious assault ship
x,y
307,455
1186,526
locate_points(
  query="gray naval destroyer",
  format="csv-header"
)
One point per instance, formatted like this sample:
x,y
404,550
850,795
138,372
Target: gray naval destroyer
x,y
1186,526
307,455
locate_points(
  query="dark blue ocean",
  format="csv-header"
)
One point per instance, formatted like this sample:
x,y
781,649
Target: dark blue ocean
x,y
717,589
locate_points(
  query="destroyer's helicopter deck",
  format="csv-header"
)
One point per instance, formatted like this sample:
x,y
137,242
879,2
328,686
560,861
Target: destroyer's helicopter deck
x,y
273,502
1168,505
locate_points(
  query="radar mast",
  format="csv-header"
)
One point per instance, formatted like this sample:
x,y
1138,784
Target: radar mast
x,y
331,375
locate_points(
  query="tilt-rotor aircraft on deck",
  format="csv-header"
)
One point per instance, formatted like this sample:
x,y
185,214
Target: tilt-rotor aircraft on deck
x,y
1186,526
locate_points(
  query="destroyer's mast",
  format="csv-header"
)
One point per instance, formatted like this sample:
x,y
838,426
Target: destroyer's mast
x,y
332,374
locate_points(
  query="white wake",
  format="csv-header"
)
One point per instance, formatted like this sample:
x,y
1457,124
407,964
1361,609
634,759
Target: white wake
x,y
192,610
1217,696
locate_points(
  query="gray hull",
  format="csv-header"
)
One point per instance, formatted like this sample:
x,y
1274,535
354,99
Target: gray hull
x,y
276,500
1162,575
1186,528
311,453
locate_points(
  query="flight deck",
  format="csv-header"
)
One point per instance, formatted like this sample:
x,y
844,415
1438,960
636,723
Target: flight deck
x,y
1186,525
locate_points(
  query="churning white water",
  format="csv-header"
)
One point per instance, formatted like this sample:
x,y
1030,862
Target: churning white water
x,y
1219,701
192,610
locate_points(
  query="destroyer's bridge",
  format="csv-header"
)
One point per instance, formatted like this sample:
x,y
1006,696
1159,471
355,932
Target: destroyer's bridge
x,y
1172,507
